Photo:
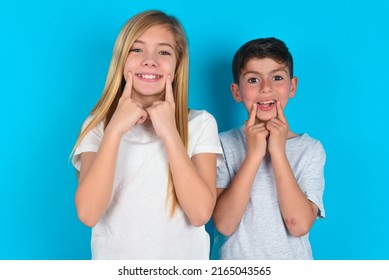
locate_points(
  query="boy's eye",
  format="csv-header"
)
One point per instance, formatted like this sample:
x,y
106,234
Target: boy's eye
x,y
253,80
278,78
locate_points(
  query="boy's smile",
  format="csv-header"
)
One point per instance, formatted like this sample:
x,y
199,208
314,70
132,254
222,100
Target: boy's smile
x,y
264,81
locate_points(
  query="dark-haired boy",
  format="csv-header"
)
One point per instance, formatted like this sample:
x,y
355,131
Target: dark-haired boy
x,y
271,185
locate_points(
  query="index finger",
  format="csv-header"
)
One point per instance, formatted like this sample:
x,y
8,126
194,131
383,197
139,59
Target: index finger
x,y
280,112
169,97
252,116
128,87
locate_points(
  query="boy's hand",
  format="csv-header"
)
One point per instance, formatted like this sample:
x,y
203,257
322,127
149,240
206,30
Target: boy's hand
x,y
128,112
256,135
162,113
278,128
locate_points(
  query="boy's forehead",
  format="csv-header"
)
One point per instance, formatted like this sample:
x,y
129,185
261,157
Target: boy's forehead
x,y
266,64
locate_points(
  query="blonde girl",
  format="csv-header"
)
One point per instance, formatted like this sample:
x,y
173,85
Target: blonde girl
x,y
147,164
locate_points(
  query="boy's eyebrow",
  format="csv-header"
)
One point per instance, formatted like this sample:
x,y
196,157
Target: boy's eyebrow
x,y
160,44
284,69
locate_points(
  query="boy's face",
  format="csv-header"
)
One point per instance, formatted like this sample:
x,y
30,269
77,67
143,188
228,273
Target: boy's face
x,y
264,81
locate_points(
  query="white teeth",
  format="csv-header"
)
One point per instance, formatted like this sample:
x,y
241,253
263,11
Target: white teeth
x,y
149,76
270,102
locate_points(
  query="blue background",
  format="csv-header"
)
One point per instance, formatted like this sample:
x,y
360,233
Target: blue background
x,y
54,58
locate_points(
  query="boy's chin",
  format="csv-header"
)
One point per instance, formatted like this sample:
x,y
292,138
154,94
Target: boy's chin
x,y
265,118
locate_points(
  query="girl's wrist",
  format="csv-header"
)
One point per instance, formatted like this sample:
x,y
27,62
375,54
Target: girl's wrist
x,y
112,133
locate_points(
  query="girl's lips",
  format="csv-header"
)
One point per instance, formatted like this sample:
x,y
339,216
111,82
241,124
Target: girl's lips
x,y
149,77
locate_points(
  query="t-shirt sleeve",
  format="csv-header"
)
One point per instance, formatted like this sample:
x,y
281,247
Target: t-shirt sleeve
x,y
207,140
90,143
312,182
223,175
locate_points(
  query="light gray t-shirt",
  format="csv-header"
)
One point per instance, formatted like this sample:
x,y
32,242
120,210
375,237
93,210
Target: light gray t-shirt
x,y
262,233
137,224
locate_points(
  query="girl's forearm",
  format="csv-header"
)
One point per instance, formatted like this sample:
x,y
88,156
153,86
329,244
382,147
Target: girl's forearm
x,y
96,180
194,180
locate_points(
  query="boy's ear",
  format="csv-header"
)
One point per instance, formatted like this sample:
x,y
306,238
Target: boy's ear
x,y
293,87
235,92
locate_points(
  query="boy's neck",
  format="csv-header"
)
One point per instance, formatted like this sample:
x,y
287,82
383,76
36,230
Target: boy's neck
x,y
291,134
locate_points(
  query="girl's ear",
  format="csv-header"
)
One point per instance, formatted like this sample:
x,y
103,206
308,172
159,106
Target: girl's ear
x,y
235,92
293,87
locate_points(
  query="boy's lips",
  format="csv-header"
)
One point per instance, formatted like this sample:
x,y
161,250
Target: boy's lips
x,y
266,105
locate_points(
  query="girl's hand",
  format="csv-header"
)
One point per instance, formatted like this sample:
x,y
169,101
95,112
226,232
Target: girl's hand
x,y
128,112
162,113
278,128
256,135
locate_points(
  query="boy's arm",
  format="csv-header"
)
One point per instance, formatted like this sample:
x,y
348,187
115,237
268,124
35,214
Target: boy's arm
x,y
297,210
232,202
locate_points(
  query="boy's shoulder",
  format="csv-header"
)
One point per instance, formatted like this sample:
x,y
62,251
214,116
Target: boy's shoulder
x,y
303,139
305,143
236,133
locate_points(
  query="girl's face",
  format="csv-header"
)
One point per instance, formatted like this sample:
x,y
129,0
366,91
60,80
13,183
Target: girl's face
x,y
264,81
150,60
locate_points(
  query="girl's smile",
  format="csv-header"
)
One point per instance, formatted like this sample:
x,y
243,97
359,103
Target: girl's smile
x,y
151,59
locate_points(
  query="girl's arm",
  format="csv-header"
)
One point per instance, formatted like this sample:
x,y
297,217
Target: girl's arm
x,y
232,201
98,169
96,180
194,180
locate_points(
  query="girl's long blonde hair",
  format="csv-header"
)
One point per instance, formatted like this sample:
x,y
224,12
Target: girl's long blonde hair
x,y
115,81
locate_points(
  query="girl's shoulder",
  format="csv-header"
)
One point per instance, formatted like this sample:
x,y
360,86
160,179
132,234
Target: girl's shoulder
x,y
200,117
199,114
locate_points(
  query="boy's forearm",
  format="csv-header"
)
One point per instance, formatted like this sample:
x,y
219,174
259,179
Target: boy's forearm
x,y
232,203
298,212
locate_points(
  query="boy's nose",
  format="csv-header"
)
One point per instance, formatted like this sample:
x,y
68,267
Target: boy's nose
x,y
265,86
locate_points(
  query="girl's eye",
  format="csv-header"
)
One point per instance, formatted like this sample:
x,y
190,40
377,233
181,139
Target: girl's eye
x,y
135,50
253,80
164,53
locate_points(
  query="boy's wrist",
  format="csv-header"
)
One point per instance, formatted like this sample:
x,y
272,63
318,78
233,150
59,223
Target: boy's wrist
x,y
278,155
254,158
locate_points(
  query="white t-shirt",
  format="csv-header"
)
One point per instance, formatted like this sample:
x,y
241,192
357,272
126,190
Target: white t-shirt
x,y
137,223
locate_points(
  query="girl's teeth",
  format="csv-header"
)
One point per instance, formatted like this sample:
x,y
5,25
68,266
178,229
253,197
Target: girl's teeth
x,y
148,76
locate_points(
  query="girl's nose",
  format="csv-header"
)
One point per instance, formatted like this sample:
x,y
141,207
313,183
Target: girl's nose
x,y
150,60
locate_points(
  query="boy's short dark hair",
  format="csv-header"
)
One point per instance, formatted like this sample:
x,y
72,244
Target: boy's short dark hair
x,y
261,48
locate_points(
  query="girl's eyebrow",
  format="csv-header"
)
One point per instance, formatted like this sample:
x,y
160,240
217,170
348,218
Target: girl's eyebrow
x,y
160,44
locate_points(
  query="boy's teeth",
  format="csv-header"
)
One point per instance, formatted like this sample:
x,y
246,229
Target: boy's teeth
x,y
266,102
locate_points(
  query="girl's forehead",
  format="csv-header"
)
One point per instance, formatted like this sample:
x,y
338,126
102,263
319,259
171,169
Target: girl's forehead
x,y
157,34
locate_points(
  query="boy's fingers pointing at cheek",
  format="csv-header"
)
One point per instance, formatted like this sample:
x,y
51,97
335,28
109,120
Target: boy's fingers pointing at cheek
x,y
252,116
280,112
